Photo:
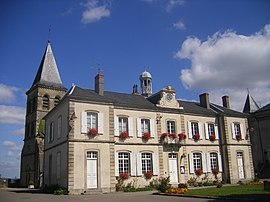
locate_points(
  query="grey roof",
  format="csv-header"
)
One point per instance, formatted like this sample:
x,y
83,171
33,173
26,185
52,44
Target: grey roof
x,y
47,73
226,111
250,105
264,108
195,108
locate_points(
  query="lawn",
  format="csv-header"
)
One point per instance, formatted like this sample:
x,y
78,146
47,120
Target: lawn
x,y
242,191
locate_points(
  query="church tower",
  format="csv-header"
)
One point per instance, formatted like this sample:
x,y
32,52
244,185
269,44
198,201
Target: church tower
x,y
146,83
44,94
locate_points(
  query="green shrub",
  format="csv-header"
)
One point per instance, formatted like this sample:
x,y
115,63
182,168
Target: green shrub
x,y
61,191
163,184
219,185
182,185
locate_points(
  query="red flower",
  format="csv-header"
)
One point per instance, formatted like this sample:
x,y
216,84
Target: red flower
x,y
93,132
148,175
146,136
182,136
238,136
124,176
172,135
124,135
163,135
196,136
199,172
212,137
215,171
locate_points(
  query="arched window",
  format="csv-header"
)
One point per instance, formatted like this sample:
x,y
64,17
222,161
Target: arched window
x,y
56,100
45,102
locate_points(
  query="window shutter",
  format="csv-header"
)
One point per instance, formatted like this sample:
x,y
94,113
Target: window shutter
x,y
155,164
216,132
116,164
83,122
204,164
191,166
139,164
100,123
200,130
116,126
130,126
189,130
206,131
153,127
133,164
139,128
208,162
219,162
233,131
243,132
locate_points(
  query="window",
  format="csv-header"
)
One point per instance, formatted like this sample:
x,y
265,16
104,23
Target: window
x,y
91,120
170,127
194,128
59,126
56,100
197,161
45,102
51,131
211,129
214,161
145,126
147,164
123,124
58,165
91,155
124,162
237,130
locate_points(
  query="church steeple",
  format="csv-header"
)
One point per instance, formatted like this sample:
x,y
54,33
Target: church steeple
x,y
47,73
250,104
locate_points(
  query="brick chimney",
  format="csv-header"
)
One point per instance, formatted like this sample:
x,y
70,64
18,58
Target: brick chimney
x,y
226,101
99,84
204,100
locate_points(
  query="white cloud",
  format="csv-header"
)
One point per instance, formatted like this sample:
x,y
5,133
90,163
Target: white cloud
x,y
12,114
179,25
174,3
95,12
229,63
7,93
13,150
19,131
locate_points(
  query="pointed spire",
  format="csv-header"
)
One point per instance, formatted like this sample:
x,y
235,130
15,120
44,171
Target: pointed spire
x,y
250,104
47,73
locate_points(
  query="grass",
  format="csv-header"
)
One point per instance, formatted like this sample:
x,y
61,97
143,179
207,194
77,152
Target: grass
x,y
245,192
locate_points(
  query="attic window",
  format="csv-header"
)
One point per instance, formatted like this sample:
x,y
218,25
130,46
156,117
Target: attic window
x,y
56,100
45,102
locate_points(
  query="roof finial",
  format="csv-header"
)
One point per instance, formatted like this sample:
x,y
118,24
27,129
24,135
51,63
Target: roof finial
x,y
49,34
248,91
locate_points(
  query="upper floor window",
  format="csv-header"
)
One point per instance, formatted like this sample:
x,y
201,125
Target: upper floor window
x,y
194,128
45,102
51,132
92,120
145,126
211,129
147,163
59,126
237,131
56,100
214,161
170,127
123,124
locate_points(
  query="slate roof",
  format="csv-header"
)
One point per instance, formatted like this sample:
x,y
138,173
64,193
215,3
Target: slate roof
x,y
228,112
250,105
265,108
195,108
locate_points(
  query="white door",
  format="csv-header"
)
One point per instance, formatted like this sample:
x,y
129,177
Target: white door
x,y
173,168
240,164
91,170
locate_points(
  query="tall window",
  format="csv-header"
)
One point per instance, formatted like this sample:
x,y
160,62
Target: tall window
x,y
123,124
59,126
58,165
211,129
45,102
170,127
147,164
145,126
237,129
56,100
51,131
197,161
213,161
91,120
123,162
194,128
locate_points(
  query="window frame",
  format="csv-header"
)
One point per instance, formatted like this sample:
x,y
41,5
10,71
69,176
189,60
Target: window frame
x,y
90,125
197,161
46,102
59,127
145,126
121,121
214,164
194,128
124,162
171,127
51,132
147,162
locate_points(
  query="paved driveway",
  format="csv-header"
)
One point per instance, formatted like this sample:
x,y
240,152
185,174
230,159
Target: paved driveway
x,y
24,195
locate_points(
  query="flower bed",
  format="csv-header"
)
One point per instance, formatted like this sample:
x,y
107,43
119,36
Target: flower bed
x,y
176,191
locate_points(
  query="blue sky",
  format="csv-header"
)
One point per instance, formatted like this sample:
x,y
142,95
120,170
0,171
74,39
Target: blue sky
x,y
220,47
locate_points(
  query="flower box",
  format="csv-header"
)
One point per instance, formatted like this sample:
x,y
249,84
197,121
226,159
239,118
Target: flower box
x,y
124,176
124,135
164,135
196,137
238,137
92,132
172,136
148,175
215,171
212,137
199,172
146,136
182,136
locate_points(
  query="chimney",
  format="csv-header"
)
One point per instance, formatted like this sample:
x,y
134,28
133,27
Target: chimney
x,y
99,84
204,100
225,101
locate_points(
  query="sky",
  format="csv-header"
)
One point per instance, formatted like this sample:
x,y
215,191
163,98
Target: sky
x,y
195,46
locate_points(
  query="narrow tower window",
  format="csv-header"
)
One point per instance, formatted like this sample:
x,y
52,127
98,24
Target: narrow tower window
x,y
56,100
45,102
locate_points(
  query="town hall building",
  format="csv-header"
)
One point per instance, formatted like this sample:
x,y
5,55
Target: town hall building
x,y
92,137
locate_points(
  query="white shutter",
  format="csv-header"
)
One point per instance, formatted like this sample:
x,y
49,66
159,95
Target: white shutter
x,y
100,123
189,130
139,128
130,126
200,130
116,126
116,164
153,127
233,131
133,163
204,164
155,164
216,132
206,131
83,122
243,132
208,162
219,162
139,164
191,166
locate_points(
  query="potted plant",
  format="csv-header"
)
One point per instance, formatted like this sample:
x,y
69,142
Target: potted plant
x,y
238,136
182,136
164,137
199,172
212,137
148,175
196,137
172,136
92,132
146,136
124,135
124,176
